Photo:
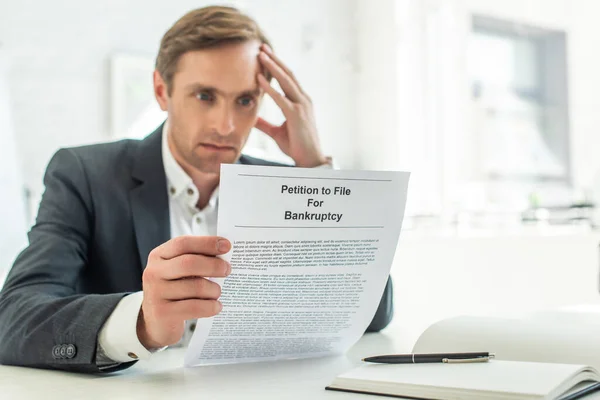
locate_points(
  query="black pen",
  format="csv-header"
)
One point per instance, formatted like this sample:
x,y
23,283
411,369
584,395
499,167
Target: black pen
x,y
431,358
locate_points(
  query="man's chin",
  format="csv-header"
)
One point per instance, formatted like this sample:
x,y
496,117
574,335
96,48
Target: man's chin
x,y
213,166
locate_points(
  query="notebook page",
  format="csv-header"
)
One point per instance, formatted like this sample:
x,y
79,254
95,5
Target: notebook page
x,y
558,337
516,379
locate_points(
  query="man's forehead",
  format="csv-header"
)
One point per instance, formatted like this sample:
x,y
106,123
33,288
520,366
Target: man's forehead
x,y
228,69
231,52
234,59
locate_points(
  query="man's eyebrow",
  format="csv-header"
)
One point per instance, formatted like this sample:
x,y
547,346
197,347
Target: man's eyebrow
x,y
252,92
198,87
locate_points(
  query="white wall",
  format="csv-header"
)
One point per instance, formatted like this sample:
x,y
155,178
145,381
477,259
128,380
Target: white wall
x,y
12,205
377,99
584,75
59,54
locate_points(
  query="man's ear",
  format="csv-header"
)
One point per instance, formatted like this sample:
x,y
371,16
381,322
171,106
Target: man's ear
x,y
160,90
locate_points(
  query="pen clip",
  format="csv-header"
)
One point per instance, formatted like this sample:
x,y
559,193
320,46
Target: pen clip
x,y
465,360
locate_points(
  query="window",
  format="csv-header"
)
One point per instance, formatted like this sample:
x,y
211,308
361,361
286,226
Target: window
x,y
483,114
519,102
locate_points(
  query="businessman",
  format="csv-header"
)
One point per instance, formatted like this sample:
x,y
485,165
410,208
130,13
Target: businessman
x,y
124,239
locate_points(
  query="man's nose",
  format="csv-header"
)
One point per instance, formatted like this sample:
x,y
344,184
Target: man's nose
x,y
224,121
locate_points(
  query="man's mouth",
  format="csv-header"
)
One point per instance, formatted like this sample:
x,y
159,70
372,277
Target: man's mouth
x,y
216,147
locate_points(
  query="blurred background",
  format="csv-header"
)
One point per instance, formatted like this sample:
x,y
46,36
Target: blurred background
x,y
491,104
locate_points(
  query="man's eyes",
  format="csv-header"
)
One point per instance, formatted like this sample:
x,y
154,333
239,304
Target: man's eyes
x,y
246,101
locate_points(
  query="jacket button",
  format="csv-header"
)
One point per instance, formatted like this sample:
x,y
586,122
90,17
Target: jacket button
x,y
63,351
71,351
56,352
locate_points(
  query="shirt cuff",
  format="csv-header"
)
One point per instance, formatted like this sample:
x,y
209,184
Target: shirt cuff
x,y
118,337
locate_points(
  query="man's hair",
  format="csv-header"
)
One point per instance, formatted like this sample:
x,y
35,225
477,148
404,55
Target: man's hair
x,y
204,28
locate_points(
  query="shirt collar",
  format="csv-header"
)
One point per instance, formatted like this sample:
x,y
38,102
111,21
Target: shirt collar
x,y
178,181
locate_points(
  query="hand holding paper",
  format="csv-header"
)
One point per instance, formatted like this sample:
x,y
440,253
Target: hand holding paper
x,y
176,288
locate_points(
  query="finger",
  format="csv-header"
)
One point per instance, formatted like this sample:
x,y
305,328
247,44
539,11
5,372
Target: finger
x,y
267,127
192,288
208,245
194,309
277,97
195,265
289,87
278,61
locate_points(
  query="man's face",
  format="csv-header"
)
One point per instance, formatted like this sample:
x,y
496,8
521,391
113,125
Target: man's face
x,y
213,104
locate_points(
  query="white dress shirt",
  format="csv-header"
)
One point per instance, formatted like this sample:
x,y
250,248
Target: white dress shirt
x,y
118,337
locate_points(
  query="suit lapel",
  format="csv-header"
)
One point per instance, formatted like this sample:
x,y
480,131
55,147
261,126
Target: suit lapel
x,y
149,199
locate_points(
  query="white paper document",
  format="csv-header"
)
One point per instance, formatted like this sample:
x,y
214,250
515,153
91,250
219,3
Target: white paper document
x,y
312,251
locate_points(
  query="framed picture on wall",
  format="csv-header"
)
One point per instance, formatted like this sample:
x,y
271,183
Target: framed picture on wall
x,y
134,112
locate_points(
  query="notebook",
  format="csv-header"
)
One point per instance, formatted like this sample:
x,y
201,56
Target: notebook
x,y
539,355
495,379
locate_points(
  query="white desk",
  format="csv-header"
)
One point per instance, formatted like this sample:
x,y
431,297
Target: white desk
x,y
164,378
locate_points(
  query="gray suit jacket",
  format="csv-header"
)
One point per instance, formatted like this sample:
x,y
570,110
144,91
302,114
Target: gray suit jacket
x,y
104,209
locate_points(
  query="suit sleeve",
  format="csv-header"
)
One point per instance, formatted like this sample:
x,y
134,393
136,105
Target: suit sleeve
x,y
44,321
385,310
